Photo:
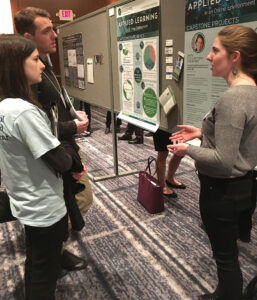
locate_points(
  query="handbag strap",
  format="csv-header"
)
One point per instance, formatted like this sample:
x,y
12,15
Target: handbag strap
x,y
149,162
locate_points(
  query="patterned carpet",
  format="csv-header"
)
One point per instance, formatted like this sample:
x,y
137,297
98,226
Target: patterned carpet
x,y
131,253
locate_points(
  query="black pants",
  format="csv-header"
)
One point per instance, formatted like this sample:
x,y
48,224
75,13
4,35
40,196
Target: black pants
x,y
43,252
245,220
5,209
109,119
224,204
139,132
84,106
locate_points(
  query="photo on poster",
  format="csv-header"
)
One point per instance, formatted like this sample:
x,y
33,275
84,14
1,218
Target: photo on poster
x,y
178,66
198,42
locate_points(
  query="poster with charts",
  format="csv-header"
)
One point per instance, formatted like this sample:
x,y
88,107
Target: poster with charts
x,y
138,62
74,65
204,19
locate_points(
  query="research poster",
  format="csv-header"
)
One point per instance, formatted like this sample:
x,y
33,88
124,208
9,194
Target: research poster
x,y
74,65
204,19
138,62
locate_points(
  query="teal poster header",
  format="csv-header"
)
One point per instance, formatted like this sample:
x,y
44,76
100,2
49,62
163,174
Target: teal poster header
x,y
140,25
204,14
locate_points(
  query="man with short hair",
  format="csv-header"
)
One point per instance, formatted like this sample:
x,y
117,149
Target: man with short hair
x,y
35,24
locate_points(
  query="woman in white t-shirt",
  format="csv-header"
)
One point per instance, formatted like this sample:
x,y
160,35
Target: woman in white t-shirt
x,y
27,149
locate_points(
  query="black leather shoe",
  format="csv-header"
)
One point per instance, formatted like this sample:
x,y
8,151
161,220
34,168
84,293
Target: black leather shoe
x,y
107,130
71,262
175,186
246,238
86,133
125,137
62,273
250,291
89,129
210,296
173,195
136,141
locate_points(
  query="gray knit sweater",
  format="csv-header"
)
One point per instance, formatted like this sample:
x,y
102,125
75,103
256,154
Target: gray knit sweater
x,y
229,142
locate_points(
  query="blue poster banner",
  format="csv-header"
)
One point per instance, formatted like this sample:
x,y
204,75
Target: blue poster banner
x,y
204,19
204,14
139,25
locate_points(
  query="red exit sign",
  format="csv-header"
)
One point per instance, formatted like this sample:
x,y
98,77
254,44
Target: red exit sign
x,y
65,14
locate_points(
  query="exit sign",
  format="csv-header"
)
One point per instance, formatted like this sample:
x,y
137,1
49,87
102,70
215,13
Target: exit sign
x,y
65,14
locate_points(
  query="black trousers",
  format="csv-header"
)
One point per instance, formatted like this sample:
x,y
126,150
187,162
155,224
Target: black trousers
x,y
109,119
5,209
84,106
139,132
225,206
43,253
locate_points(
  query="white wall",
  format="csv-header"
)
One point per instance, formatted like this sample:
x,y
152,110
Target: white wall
x,y
6,25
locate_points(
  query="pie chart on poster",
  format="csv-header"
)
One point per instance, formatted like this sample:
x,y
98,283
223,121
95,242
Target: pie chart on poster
x,y
149,57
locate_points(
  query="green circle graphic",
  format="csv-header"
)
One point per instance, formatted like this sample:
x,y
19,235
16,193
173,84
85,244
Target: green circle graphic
x,y
150,102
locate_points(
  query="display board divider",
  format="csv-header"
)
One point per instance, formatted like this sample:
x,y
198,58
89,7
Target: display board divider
x,y
114,134
99,38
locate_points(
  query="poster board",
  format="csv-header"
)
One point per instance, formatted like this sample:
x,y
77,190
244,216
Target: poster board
x,y
172,27
99,36
203,22
138,62
94,30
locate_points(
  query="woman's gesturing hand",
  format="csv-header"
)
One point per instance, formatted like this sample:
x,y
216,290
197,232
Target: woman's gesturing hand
x,y
186,133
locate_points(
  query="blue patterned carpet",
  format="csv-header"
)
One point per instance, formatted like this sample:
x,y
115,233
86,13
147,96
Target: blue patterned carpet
x,y
131,254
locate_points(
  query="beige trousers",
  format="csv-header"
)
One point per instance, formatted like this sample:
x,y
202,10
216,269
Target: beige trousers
x,y
84,199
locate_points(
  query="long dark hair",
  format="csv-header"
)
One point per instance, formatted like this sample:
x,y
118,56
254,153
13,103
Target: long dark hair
x,y
243,39
14,49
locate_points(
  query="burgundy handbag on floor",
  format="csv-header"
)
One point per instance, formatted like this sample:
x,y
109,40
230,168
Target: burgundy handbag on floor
x,y
150,190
